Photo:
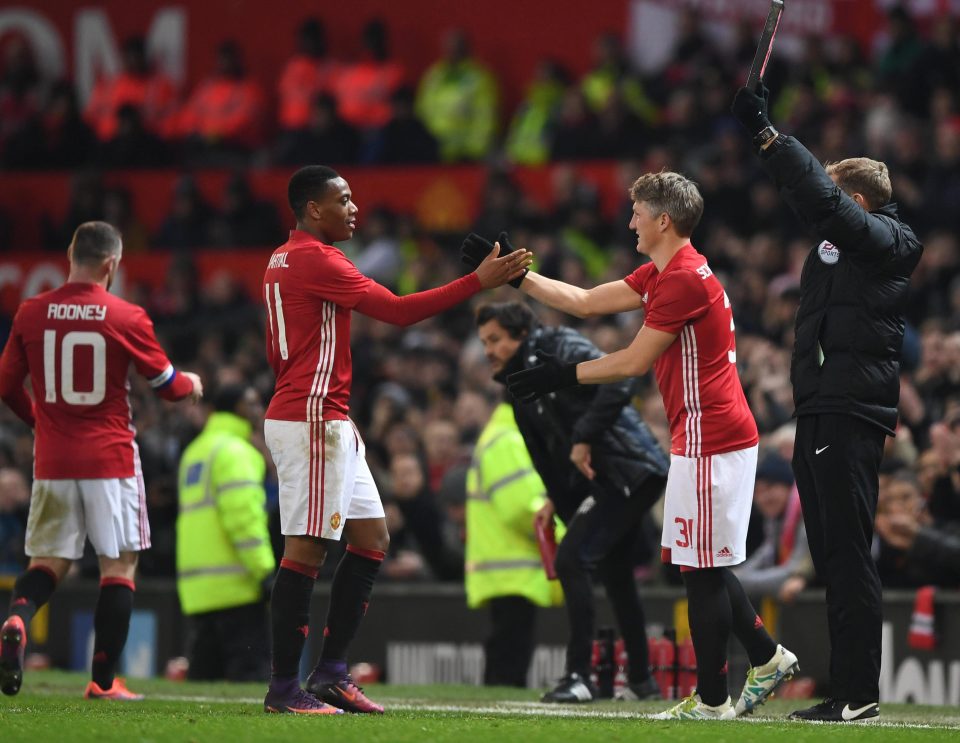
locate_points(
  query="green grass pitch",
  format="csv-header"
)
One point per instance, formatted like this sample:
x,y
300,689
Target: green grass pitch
x,y
50,708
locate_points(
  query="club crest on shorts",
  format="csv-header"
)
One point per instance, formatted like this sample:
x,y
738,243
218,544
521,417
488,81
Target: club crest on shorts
x,y
335,520
828,253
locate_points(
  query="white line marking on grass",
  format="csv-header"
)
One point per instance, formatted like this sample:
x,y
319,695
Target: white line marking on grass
x,y
535,709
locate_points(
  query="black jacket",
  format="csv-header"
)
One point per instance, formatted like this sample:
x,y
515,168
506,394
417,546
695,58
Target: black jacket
x,y
623,451
853,292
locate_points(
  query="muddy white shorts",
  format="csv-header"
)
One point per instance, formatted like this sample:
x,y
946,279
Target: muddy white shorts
x,y
706,509
324,476
111,512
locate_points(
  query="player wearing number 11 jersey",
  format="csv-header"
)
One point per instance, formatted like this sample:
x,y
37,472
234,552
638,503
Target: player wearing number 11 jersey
x,y
310,289
76,344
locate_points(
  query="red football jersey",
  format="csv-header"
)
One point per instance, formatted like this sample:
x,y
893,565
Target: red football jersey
x,y
77,343
310,289
697,374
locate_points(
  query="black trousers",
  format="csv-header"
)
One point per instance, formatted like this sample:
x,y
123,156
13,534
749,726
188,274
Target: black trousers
x,y
600,538
836,461
231,644
509,647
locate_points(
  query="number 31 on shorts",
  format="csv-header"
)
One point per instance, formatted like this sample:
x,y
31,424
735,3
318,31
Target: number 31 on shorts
x,y
686,529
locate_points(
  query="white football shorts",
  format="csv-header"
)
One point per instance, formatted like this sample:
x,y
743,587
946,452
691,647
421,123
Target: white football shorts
x,y
324,476
706,509
111,512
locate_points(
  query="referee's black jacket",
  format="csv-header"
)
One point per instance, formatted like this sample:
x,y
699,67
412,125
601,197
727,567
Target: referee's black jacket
x,y
623,453
853,290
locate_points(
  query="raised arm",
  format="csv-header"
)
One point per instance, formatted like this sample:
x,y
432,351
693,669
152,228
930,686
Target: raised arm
x,y
606,299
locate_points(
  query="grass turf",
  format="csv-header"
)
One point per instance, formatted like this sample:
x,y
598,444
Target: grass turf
x,y
50,707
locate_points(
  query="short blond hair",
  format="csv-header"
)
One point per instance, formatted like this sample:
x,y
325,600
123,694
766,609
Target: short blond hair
x,y
869,178
671,193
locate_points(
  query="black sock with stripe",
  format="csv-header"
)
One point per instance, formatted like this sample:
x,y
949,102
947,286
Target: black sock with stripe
x,y
747,626
290,617
349,596
710,617
31,591
111,624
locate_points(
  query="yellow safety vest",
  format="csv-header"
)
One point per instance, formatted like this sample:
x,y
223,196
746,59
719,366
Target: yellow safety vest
x,y
503,494
223,543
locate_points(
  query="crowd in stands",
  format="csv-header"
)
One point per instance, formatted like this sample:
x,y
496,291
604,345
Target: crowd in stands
x,y
421,396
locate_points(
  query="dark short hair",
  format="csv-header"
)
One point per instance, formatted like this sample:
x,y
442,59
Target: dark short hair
x,y
307,184
227,397
515,317
94,242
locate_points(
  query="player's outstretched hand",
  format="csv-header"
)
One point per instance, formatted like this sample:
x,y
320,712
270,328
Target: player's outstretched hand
x,y
496,269
548,376
197,393
750,108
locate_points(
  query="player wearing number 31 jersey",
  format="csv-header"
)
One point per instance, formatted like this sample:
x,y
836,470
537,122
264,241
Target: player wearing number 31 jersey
x,y
76,344
688,339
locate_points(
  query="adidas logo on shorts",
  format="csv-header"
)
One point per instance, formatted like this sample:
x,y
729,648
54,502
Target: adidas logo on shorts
x,y
725,552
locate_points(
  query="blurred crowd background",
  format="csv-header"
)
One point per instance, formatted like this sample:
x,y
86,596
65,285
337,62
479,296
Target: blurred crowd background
x,y
421,396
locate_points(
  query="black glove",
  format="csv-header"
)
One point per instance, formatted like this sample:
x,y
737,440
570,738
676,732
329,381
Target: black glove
x,y
750,109
537,381
475,248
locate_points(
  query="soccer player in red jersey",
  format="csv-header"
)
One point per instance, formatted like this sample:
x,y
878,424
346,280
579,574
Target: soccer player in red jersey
x,y
326,489
688,339
76,344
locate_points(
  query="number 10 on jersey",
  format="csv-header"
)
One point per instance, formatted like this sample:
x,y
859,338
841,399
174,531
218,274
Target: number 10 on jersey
x,y
67,349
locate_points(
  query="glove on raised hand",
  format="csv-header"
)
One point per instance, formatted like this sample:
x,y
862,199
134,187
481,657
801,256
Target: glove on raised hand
x,y
548,376
475,248
750,109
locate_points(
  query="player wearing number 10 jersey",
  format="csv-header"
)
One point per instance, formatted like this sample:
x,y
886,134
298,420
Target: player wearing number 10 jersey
x,y
76,344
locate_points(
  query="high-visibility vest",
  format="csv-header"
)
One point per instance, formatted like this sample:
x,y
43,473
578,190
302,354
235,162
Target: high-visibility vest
x,y
223,543
457,102
503,494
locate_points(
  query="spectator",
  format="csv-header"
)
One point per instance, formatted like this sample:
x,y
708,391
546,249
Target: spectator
x,y
457,100
573,136
57,137
612,73
245,220
21,89
531,129
781,566
423,520
118,211
133,146
327,138
307,74
442,448
188,223
912,551
404,138
226,110
86,205
138,85
380,258
503,564
364,88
